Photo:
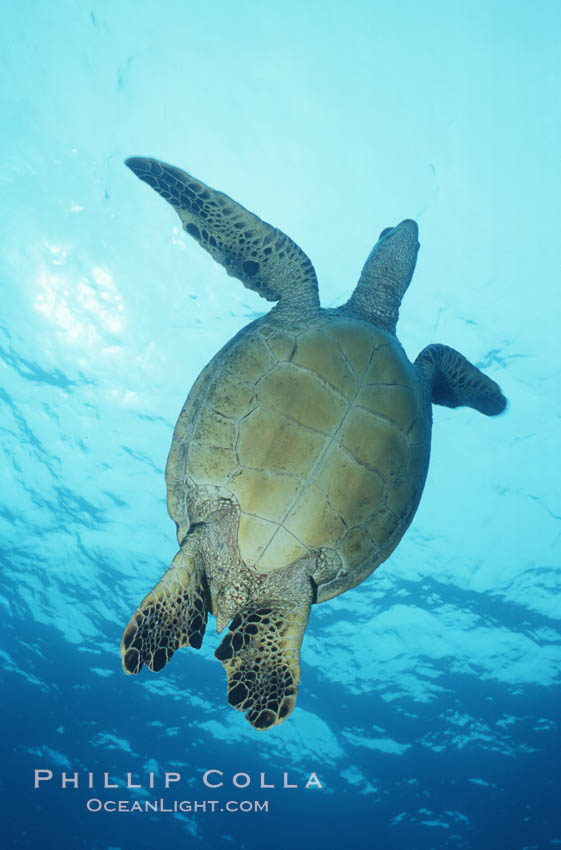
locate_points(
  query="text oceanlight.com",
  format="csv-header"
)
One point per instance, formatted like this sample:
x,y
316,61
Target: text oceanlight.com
x,y
172,806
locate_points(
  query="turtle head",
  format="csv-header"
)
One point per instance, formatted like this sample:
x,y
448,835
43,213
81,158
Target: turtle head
x,y
395,253
386,275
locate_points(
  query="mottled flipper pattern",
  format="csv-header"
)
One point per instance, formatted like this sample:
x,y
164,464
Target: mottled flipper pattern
x,y
262,257
261,655
171,616
454,381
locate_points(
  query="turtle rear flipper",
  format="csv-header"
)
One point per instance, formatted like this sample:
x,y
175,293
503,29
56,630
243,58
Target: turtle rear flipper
x,y
172,615
261,656
454,381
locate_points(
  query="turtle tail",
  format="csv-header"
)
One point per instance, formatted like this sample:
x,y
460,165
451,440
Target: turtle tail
x,y
455,382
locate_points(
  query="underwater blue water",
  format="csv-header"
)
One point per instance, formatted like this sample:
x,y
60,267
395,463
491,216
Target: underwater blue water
x,y
429,705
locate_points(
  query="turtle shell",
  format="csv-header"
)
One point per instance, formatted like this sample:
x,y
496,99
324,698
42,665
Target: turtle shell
x,y
320,432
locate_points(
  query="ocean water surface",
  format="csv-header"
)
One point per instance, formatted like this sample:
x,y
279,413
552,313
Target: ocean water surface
x,y
429,704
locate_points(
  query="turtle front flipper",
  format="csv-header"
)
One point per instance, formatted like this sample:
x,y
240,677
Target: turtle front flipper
x,y
453,381
261,656
262,257
172,615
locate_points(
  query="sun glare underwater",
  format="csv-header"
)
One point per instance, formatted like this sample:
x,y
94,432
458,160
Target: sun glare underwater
x,y
428,708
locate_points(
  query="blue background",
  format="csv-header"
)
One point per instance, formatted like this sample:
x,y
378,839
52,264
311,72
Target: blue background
x,y
429,702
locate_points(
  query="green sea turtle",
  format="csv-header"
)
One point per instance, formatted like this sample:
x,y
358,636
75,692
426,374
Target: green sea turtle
x,y
300,455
